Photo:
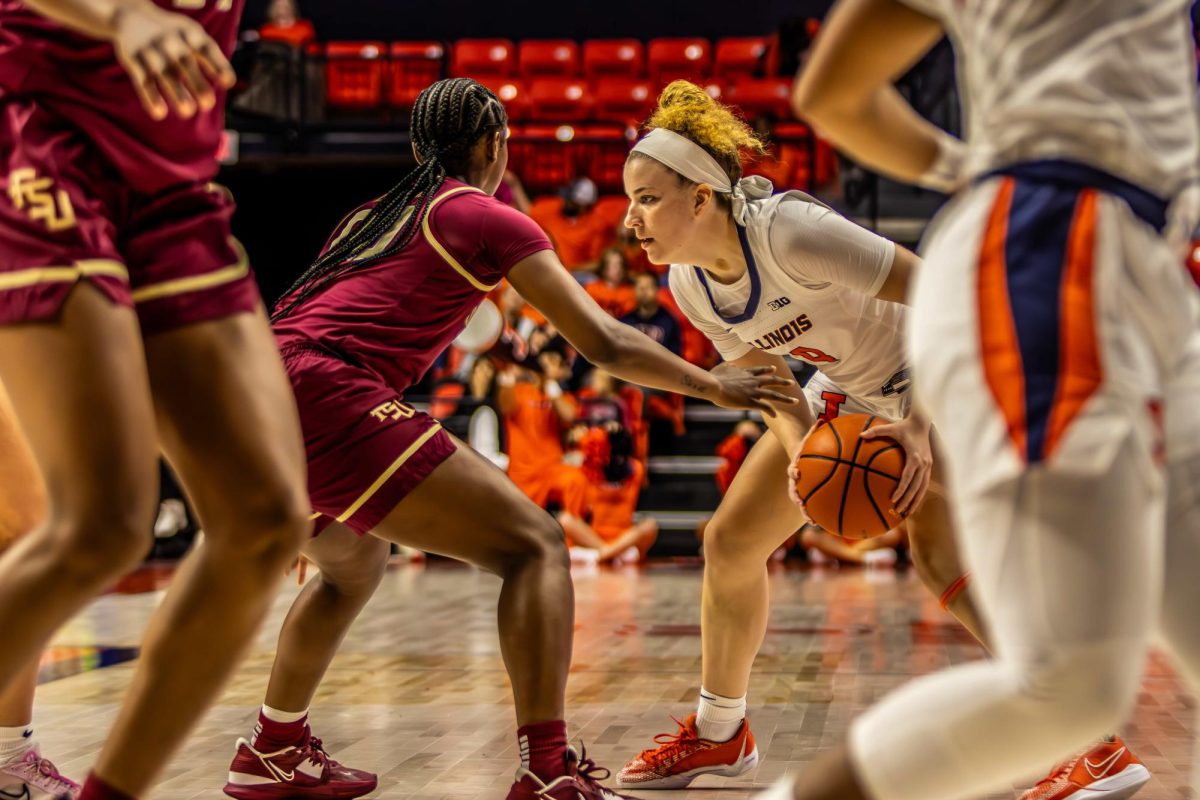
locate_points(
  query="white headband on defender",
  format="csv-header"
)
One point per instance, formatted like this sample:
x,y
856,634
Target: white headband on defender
x,y
694,163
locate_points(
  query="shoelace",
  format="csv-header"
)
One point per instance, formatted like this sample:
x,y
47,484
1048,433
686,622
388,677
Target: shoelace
x,y
45,768
314,749
670,742
588,770
1046,784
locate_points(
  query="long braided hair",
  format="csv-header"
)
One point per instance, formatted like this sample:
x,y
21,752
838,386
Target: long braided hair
x,y
448,119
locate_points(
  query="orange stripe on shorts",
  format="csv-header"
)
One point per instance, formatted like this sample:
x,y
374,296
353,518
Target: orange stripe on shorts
x,y
1000,349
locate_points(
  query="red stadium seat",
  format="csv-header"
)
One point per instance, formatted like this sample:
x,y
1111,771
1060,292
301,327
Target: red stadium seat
x,y
767,96
602,153
603,58
354,74
483,58
559,99
414,66
670,59
740,57
625,100
544,156
537,58
813,159
513,93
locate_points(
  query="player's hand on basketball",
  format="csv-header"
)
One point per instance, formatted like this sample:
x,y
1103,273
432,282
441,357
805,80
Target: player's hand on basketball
x,y
751,388
173,62
912,434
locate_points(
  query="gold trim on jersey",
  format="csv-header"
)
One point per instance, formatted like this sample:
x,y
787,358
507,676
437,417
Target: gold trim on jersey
x,y
195,283
347,226
389,472
384,241
443,252
19,279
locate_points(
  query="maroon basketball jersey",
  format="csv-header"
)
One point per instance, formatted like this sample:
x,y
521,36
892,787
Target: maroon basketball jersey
x,y
397,315
79,79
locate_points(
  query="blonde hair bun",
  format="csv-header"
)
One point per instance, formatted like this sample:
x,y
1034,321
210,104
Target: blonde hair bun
x,y
686,109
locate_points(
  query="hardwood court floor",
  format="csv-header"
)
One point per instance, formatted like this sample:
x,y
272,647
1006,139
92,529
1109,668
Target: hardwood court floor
x,y
419,694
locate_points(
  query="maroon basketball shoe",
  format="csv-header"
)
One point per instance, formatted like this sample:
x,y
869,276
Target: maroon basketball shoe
x,y
302,771
582,782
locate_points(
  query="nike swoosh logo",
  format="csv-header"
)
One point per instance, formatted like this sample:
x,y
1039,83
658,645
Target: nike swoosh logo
x,y
1098,771
280,774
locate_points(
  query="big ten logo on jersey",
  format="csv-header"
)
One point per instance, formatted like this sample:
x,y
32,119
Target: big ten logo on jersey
x,y
775,305
392,410
193,5
39,200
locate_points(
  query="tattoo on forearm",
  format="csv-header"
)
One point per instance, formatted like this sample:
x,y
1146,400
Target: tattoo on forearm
x,y
691,384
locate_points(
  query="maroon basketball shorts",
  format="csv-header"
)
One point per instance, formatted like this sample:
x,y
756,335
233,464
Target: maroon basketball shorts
x,y
66,217
366,448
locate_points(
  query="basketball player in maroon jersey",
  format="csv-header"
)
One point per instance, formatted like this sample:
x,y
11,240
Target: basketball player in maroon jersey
x,y
393,287
130,323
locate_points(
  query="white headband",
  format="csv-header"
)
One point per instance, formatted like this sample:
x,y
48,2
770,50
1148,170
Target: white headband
x,y
694,163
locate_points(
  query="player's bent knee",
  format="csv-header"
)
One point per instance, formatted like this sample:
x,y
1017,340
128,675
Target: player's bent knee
x,y
725,546
361,572
270,528
100,544
537,537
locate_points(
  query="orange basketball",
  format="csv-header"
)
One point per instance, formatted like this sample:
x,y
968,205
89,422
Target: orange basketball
x,y
847,482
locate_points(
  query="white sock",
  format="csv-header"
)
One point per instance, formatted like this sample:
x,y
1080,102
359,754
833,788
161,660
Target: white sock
x,y
283,717
718,718
277,716
15,742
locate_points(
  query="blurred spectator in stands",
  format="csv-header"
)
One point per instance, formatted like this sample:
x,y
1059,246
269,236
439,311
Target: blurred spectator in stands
x,y
614,481
664,410
483,432
649,316
600,402
733,450
579,234
612,291
284,24
823,547
536,413
512,192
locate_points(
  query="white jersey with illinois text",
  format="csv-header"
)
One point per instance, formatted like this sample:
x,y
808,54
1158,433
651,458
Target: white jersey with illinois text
x,y
1107,83
809,292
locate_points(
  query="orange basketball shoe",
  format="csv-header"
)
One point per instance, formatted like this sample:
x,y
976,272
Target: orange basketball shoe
x,y
682,757
1106,772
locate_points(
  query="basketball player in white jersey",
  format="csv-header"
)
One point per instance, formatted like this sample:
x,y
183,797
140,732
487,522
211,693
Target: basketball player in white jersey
x,y
1053,325
765,277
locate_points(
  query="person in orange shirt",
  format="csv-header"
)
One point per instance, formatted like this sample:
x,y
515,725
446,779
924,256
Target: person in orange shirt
x,y
578,233
536,413
613,292
614,485
284,24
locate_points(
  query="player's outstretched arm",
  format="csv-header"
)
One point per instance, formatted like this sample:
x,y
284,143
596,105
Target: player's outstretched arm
x,y
631,355
173,62
846,91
